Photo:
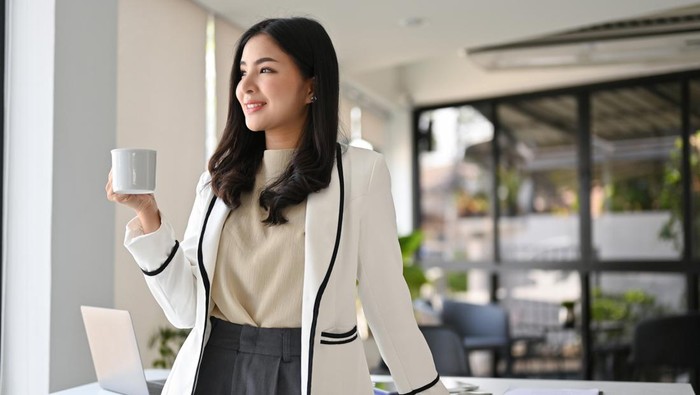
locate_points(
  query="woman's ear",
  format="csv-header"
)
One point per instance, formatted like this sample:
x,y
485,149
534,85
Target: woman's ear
x,y
310,96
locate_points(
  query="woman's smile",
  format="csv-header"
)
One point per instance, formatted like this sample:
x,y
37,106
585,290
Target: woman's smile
x,y
253,106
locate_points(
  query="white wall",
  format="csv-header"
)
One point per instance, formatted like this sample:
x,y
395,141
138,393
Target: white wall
x,y
59,240
160,105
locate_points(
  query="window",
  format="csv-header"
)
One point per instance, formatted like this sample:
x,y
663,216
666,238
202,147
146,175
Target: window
x,y
538,184
568,198
636,145
455,178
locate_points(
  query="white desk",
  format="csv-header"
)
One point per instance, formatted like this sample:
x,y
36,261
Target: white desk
x,y
95,389
500,386
494,386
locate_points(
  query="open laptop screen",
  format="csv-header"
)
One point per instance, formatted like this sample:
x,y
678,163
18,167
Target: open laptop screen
x,y
114,350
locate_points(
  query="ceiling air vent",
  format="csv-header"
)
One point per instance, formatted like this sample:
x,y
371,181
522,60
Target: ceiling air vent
x,y
670,37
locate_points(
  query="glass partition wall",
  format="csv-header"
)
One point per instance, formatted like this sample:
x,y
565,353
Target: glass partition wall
x,y
577,210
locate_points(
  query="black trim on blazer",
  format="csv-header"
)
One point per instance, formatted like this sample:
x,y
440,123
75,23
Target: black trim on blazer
x,y
324,283
205,280
423,388
164,265
340,335
339,341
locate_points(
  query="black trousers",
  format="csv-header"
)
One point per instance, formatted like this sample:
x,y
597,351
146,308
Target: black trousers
x,y
246,360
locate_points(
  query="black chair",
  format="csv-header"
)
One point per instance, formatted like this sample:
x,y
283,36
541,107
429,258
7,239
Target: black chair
x,y
446,348
481,327
668,342
447,351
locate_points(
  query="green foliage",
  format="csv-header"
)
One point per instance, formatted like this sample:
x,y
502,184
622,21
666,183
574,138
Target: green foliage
x,y
412,273
409,245
672,195
509,184
625,309
457,281
635,194
168,340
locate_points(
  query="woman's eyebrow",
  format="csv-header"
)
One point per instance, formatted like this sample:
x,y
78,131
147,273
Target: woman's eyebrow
x,y
261,60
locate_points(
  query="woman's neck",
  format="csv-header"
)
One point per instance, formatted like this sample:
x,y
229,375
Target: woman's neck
x,y
284,137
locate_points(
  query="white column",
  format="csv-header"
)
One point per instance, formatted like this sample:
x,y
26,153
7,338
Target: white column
x,y
27,209
399,156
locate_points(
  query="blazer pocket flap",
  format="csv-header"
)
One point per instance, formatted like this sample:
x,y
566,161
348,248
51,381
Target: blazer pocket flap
x,y
339,338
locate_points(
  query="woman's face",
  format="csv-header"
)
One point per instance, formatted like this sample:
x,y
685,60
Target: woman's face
x,y
272,92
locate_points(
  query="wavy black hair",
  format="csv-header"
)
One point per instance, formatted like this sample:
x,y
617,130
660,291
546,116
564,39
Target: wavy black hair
x,y
240,151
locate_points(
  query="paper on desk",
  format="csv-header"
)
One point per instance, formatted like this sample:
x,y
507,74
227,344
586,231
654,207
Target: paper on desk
x,y
551,391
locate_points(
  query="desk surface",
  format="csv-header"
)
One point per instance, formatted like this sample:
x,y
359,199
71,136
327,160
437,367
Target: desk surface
x,y
494,386
95,389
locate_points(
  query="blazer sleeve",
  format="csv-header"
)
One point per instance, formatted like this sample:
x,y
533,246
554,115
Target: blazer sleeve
x,y
169,266
385,296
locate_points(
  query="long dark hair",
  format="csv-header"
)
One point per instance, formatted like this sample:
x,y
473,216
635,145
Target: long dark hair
x,y
239,154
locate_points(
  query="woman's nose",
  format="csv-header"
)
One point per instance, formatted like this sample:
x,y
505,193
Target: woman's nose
x,y
247,84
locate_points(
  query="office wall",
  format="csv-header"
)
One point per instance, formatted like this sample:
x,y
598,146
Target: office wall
x,y
160,105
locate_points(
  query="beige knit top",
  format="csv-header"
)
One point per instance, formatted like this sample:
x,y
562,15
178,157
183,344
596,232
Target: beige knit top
x,y
259,272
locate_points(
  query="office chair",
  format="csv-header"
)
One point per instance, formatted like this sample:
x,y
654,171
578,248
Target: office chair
x,y
668,342
446,347
447,351
481,327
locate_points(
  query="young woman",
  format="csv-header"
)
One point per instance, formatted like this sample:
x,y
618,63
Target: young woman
x,y
286,226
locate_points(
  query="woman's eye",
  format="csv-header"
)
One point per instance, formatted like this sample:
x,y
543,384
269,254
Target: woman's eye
x,y
242,72
266,70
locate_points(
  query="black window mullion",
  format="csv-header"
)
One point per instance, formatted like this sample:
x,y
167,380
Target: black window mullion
x,y
416,170
686,179
585,227
496,204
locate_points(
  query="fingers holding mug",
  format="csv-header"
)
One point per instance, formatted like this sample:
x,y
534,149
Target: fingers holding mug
x,y
133,171
131,180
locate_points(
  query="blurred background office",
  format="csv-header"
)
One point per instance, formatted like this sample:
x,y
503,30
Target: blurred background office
x,y
544,161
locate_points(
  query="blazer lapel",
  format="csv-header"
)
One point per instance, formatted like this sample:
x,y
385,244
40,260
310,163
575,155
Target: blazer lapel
x,y
212,235
321,229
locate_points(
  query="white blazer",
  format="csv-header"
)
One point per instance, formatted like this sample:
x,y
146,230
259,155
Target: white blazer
x,y
351,239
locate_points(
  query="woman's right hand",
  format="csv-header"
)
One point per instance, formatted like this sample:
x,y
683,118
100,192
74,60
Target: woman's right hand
x,y
144,204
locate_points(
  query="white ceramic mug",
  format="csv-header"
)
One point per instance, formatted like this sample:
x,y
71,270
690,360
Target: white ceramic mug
x,y
133,171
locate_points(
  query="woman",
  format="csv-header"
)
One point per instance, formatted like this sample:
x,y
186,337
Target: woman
x,y
286,225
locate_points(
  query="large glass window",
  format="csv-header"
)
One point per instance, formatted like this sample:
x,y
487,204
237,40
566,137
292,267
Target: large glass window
x,y
455,180
636,190
538,182
633,176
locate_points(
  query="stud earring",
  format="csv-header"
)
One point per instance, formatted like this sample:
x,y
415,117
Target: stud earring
x,y
313,98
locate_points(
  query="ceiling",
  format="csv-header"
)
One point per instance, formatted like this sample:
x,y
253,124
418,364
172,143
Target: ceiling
x,y
369,38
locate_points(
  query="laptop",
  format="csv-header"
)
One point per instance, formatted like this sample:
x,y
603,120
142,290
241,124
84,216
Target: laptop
x,y
115,352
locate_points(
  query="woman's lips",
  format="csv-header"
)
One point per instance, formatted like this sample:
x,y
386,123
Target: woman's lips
x,y
252,107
